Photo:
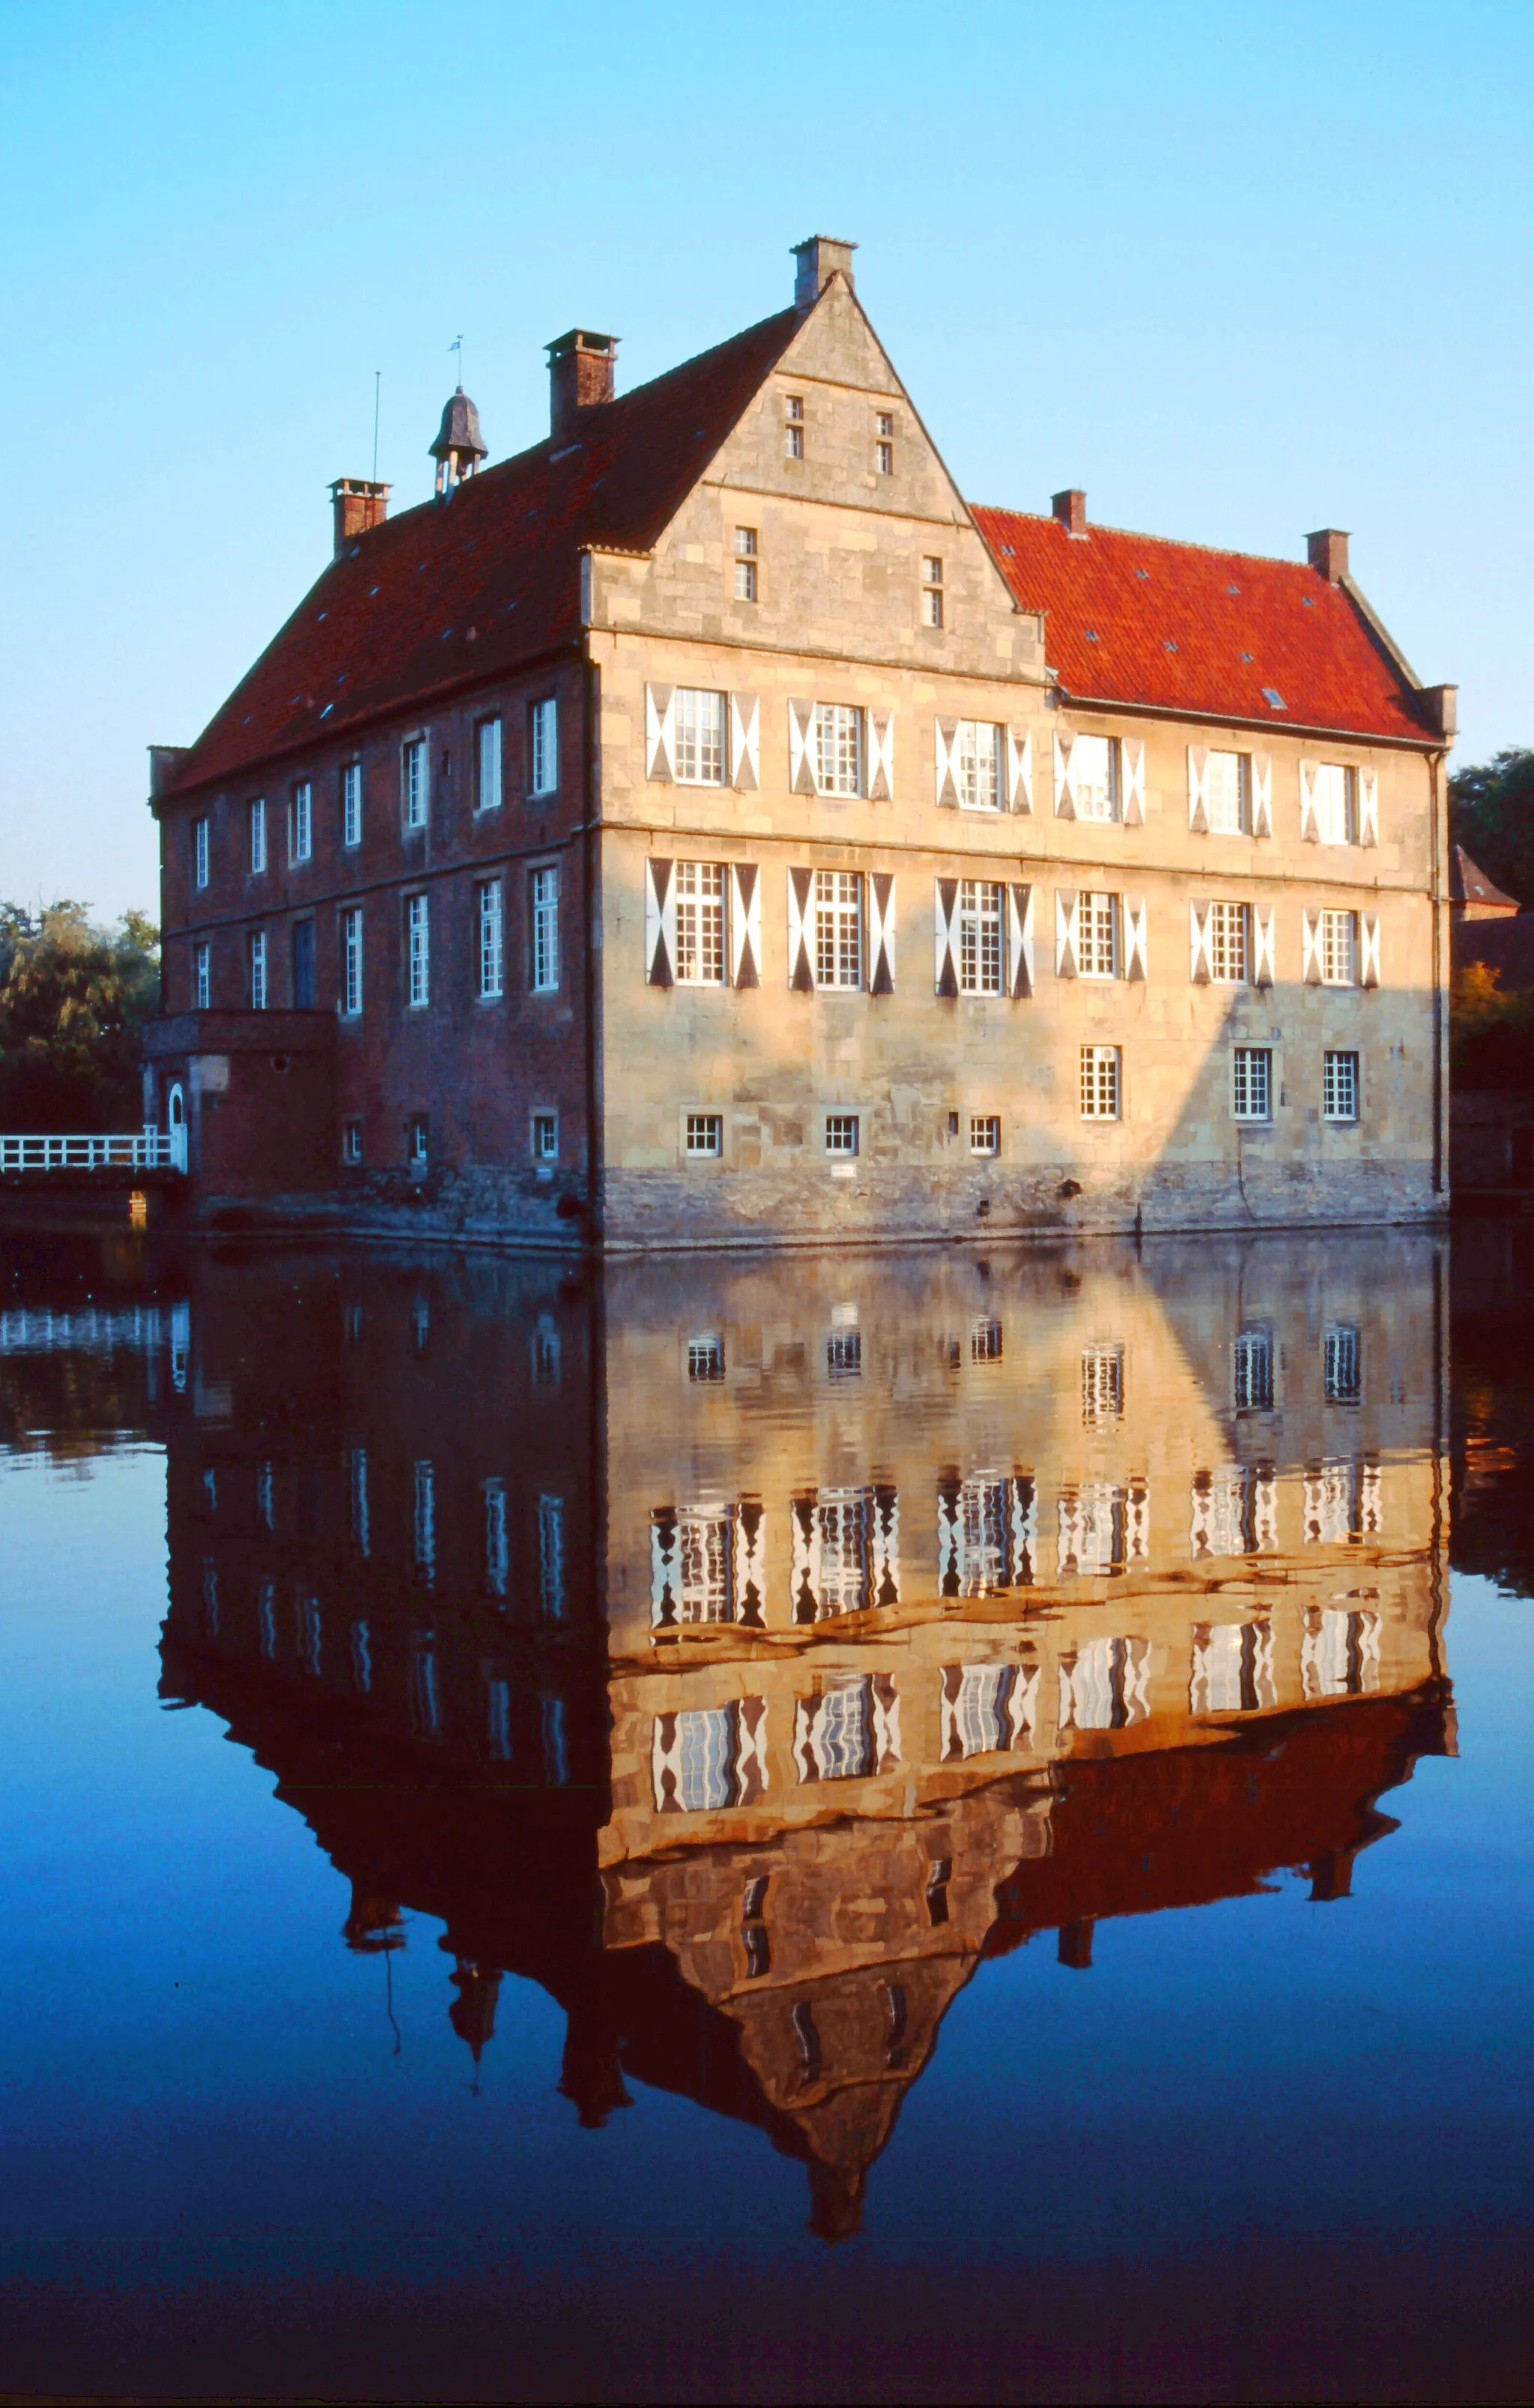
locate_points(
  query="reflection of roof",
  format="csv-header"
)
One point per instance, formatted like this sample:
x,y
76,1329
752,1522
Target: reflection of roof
x,y
1506,946
1174,627
1468,884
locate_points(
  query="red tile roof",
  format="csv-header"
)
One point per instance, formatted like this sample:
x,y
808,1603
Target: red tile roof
x,y
471,587
1176,627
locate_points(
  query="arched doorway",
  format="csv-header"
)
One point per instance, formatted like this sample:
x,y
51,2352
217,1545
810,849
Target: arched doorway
x,y
175,1117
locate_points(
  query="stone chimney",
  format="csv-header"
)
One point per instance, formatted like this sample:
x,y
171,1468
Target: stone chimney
x,y
818,259
358,504
580,367
1327,554
1069,507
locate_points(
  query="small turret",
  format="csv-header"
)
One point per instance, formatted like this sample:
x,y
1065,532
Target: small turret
x,y
459,447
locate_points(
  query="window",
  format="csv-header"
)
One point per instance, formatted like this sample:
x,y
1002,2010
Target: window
x,y
1228,788
351,960
884,459
841,1133
199,852
932,591
1340,1087
303,964
418,1143
417,783
1252,1372
258,970
545,1137
543,891
745,563
1343,1363
699,737
985,1133
793,429
417,950
838,748
1229,934
202,976
1102,1386
1338,946
301,823
1097,936
700,924
986,1342
551,1557
492,937
351,803
1252,1082
839,929
487,791
543,747
1336,803
704,1136
706,1366
884,454
1094,780
1099,1083
351,1141
977,765
258,835
980,936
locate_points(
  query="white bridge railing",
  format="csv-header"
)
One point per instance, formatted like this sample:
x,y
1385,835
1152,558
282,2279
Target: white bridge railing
x,y
145,1148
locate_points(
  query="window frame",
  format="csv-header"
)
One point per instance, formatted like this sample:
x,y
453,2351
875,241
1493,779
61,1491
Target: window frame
x,y
971,731
1338,1054
976,925
490,939
541,1124
543,963
838,907
202,851
1088,1088
255,846
1331,920
350,805
932,589
202,974
842,1136
833,715
747,559
351,961
1243,792
256,968
984,1136
543,748
418,952
351,1141
1110,896
1226,976
794,425
692,937
415,790
700,694
699,1127
1324,819
1113,754
1242,1058
489,733
301,821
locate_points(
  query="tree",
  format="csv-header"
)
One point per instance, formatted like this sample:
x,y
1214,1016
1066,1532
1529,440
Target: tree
x,y
1491,813
1491,1035
72,999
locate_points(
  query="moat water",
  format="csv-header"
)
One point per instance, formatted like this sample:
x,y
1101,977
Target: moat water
x,y
937,1826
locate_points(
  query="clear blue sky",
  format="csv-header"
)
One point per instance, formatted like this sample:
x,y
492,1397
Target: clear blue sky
x,y
1240,272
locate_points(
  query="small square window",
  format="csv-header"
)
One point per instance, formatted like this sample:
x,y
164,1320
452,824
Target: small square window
x,y
351,1141
704,1136
545,1137
841,1133
985,1133
745,563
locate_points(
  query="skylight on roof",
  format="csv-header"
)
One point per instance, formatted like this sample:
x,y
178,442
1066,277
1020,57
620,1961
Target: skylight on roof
x,y
1142,572
1233,589
1091,634
1170,646
1272,698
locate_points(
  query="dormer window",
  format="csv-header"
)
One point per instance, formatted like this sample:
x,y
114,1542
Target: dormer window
x,y
793,429
932,591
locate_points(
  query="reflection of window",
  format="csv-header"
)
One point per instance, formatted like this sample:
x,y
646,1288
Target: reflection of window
x,y
362,1658
1232,1668
1235,1511
357,1484
708,1757
1339,1654
985,1341
705,1358
309,1633
551,1557
425,1696
424,1521
1102,1385
707,1564
555,1734
498,1720
986,1538
844,1355
1252,1372
1105,1684
1102,1528
497,1549
1343,1363
986,1708
849,1729
846,1551
1343,1501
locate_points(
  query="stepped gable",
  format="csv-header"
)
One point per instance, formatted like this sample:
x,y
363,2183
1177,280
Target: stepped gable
x,y
471,586
1140,620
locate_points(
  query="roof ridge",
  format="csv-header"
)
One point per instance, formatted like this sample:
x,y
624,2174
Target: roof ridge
x,y
1143,534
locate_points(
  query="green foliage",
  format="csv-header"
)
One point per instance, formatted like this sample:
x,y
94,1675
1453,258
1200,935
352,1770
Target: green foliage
x,y
1491,1035
1491,813
72,997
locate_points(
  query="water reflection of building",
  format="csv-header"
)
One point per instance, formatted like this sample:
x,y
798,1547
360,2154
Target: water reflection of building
x,y
745,1654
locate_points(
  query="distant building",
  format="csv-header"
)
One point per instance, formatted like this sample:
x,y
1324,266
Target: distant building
x,y
706,828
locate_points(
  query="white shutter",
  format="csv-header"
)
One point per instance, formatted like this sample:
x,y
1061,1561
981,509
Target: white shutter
x,y
1132,757
1310,825
1368,925
1020,769
1368,807
660,923
660,733
1134,937
881,891
1066,907
801,750
1065,793
1198,943
801,934
745,923
946,935
1262,794
945,733
1262,945
745,743
1198,788
881,726
1309,935
1020,942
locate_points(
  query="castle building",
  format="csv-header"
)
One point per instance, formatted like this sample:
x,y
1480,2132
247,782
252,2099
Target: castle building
x,y
706,828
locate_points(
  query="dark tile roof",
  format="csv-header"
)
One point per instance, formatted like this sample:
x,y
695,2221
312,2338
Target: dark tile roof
x,y
472,586
1177,627
1469,882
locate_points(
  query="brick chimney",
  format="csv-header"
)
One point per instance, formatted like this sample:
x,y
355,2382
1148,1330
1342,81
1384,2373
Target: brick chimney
x,y
818,259
1328,553
1069,507
358,504
580,368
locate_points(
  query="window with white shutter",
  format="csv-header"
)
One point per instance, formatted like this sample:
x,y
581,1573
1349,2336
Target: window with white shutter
x,y
839,929
1096,778
1338,946
981,946
1229,942
1227,786
700,924
1097,936
1335,791
700,748
978,766
838,748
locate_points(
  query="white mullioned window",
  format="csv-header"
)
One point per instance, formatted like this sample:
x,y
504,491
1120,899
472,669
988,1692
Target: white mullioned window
x,y
1095,777
543,894
301,821
1229,942
202,961
700,924
258,970
419,949
1252,1082
1228,788
932,591
1338,946
1336,803
985,1133
487,789
1099,1083
351,803
546,1137
977,765
705,1139
841,1133
1339,1087
980,936
1098,935
492,920
351,960
745,563
417,776
258,834
199,852
838,748
699,719
543,747
839,929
